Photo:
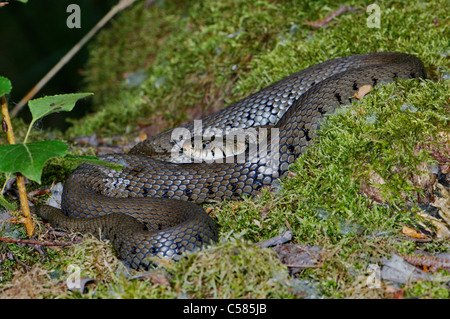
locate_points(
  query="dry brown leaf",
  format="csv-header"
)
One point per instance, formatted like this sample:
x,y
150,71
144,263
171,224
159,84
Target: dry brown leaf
x,y
363,91
413,233
297,257
443,203
155,276
395,292
370,188
442,231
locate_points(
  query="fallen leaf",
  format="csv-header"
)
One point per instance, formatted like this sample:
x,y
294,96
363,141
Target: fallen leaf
x,y
371,187
297,257
443,203
395,292
398,270
413,233
155,276
363,91
442,231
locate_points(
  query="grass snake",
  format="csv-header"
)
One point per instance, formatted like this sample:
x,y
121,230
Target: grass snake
x,y
162,217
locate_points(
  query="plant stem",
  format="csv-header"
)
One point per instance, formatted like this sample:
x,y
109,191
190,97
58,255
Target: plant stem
x,y
7,121
28,131
26,217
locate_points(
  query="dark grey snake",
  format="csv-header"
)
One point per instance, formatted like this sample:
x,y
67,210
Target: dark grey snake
x,y
161,218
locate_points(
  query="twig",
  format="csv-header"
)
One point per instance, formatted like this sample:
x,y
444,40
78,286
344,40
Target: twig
x,y
37,242
277,240
327,19
117,8
7,126
26,217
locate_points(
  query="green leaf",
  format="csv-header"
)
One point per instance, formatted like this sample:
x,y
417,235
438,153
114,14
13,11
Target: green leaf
x,y
52,104
5,86
6,204
29,158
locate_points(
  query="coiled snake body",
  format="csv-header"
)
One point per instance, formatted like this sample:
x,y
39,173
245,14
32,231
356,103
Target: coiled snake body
x,y
161,217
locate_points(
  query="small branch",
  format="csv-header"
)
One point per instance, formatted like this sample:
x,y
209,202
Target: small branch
x,y
117,8
37,242
7,126
277,240
26,216
327,19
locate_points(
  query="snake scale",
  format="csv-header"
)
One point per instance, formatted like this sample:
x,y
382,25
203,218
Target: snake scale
x,y
162,217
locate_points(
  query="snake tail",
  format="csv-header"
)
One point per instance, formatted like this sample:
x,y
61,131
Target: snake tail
x,y
132,239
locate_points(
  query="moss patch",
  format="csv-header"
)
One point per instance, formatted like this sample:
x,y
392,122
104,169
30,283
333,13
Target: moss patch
x,y
168,63
324,202
231,269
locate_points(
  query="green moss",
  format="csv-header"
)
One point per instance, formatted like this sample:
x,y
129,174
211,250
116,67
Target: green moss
x,y
16,256
231,269
208,54
323,202
433,289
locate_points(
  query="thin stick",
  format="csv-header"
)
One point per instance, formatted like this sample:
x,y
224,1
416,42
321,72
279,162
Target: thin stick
x,y
36,242
117,8
327,19
277,240
7,121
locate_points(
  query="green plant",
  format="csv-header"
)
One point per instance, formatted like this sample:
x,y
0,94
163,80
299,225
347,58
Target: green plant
x,y
28,158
